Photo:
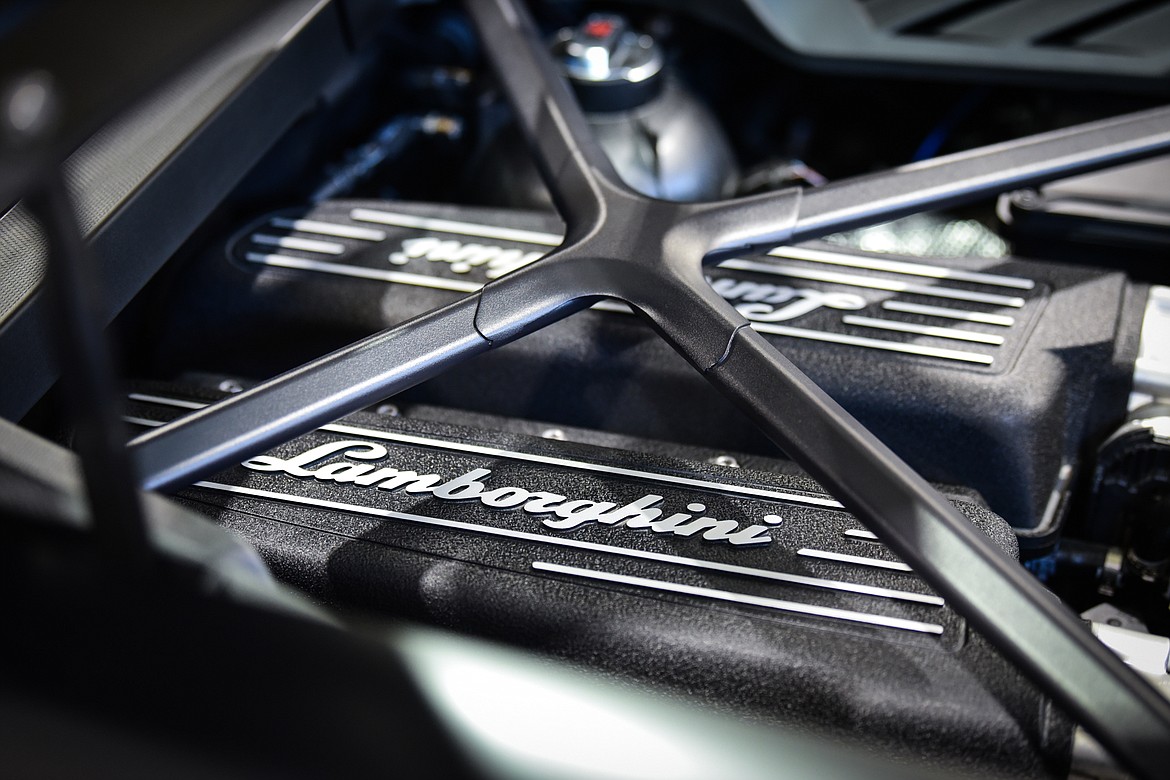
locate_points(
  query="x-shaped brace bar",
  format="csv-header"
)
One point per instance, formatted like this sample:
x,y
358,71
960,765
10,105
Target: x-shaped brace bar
x,y
649,253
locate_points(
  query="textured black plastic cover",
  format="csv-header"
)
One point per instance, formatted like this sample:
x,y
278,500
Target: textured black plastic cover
x,y
766,599
1003,381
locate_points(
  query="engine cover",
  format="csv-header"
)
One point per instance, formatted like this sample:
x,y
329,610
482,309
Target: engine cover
x,y
984,373
749,589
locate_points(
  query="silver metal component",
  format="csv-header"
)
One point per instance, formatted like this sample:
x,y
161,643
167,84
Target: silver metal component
x,y
661,140
328,229
561,541
950,314
1145,653
1111,572
928,235
859,560
870,263
388,410
360,272
451,226
301,244
1056,498
605,50
742,598
145,423
463,258
1110,615
1148,654
923,330
779,303
1151,374
1159,427
862,341
725,460
553,433
230,386
857,533
872,282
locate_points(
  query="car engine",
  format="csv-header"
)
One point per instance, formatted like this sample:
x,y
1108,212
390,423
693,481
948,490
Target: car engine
x,y
541,425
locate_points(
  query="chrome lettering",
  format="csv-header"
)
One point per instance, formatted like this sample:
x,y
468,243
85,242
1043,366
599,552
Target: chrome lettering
x,y
761,302
464,257
295,467
566,514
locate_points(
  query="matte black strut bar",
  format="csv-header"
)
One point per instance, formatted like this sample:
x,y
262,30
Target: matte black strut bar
x,y
649,253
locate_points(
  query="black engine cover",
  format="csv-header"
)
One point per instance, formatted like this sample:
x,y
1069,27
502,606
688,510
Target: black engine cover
x,y
986,373
748,589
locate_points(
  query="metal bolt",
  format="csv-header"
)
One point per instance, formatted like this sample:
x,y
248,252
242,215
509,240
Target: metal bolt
x,y
1027,199
388,410
231,386
725,460
554,433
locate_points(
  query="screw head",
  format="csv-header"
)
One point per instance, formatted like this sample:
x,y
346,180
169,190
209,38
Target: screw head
x,y
231,386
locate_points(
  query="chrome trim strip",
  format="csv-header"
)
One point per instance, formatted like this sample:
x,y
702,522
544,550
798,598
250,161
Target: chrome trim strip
x,y
328,229
742,598
678,560
361,272
395,277
956,334
863,341
871,282
142,421
951,314
857,533
871,263
300,244
860,560
476,449
459,228
176,403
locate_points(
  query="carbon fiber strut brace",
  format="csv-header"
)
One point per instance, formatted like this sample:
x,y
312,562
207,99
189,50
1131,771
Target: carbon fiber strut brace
x,y
649,253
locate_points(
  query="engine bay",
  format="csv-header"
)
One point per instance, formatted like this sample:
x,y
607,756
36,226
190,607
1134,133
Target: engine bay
x,y
580,490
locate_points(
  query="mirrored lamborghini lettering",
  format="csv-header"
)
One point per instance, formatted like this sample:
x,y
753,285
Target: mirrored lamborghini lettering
x,y
347,467
464,257
777,303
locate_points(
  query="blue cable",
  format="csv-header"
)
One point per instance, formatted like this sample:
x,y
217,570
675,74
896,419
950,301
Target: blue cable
x,y
938,136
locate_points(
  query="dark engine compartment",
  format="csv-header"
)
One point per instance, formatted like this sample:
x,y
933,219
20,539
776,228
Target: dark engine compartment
x,y
1011,351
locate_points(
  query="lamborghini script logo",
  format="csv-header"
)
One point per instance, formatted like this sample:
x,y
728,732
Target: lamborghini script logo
x,y
777,303
354,463
757,301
